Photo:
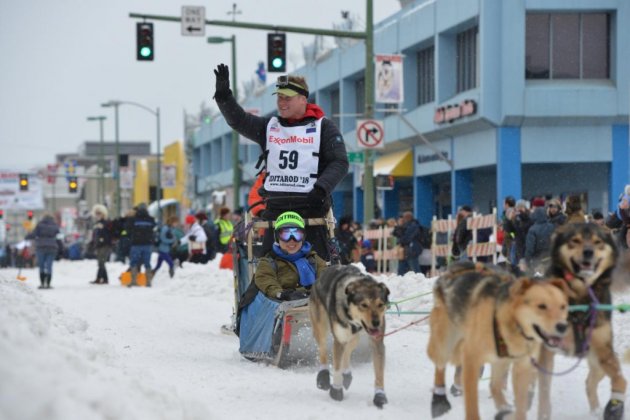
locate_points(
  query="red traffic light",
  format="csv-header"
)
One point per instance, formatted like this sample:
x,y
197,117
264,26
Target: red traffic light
x,y
29,214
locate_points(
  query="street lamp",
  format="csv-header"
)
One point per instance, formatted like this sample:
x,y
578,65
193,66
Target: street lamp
x,y
156,113
101,165
236,180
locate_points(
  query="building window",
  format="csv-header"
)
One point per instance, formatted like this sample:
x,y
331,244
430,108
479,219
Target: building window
x,y
359,87
426,75
467,59
567,46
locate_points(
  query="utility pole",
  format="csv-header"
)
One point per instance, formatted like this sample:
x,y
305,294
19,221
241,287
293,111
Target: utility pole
x,y
101,161
368,36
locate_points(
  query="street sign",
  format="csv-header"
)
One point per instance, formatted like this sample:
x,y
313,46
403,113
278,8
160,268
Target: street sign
x,y
193,20
370,134
355,157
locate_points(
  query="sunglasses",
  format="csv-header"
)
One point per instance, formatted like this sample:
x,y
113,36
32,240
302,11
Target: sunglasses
x,y
286,234
283,83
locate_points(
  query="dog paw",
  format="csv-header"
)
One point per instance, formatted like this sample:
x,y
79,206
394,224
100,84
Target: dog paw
x,y
347,380
439,405
323,379
503,414
614,410
380,399
456,391
336,393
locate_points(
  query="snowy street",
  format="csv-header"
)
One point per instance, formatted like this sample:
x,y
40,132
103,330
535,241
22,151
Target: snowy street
x,y
82,351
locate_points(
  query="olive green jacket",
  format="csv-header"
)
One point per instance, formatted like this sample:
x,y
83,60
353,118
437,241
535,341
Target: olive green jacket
x,y
272,278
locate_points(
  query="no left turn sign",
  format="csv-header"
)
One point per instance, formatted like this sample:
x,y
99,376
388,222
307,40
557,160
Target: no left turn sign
x,y
370,134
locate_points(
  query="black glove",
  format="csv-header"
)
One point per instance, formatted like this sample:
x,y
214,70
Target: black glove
x,y
316,197
192,238
222,90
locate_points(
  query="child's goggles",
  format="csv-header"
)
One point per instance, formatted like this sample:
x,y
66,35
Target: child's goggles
x,y
285,234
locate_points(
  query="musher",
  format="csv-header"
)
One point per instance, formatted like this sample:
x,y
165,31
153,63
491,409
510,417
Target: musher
x,y
304,151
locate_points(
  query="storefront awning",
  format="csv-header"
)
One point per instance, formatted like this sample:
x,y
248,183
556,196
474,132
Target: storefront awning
x,y
395,164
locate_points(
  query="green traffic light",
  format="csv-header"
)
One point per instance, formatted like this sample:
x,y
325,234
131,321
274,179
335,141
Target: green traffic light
x,y
277,63
145,51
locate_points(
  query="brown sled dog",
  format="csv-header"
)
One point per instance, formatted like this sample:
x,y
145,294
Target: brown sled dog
x,y
484,315
584,256
345,301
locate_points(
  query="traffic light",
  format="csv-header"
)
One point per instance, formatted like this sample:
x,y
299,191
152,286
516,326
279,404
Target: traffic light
x,y
276,53
72,184
29,215
23,182
1,214
144,41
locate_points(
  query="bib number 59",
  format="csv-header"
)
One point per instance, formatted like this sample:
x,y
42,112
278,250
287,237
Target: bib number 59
x,y
288,159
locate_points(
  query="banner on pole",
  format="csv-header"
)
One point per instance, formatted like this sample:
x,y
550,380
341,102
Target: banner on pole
x,y
389,78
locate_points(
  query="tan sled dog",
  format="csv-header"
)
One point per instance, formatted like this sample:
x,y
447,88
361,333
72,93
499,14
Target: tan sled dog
x,y
583,257
345,302
483,315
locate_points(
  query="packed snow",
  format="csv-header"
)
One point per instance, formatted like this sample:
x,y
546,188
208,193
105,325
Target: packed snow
x,y
83,351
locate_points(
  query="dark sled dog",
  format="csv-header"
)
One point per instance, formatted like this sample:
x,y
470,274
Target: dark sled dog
x,y
345,301
484,315
584,256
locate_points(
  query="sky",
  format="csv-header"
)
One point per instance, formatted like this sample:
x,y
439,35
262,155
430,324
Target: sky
x,y
59,60
92,352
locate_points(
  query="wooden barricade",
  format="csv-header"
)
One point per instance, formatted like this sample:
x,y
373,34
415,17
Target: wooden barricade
x,y
382,251
475,249
442,250
483,249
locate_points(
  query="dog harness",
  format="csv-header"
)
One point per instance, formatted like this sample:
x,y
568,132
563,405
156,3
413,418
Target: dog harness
x,y
499,342
584,322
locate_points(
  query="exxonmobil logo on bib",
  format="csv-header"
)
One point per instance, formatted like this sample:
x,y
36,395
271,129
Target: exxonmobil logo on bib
x,y
291,139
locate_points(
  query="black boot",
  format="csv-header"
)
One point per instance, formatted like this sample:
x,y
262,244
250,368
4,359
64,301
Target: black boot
x,y
42,281
48,278
105,277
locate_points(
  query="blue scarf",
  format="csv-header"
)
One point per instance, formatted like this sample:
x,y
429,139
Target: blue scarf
x,y
305,270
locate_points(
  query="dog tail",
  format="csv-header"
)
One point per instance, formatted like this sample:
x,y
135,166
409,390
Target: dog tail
x,y
621,274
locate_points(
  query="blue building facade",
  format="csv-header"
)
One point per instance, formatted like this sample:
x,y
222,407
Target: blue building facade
x,y
521,97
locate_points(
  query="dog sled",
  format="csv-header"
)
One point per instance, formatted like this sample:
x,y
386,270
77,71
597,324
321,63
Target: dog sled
x,y
271,331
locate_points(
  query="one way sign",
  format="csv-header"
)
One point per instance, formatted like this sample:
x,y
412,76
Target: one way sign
x,y
193,20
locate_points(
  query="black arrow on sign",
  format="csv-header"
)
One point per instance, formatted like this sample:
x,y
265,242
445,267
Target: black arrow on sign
x,y
373,130
191,29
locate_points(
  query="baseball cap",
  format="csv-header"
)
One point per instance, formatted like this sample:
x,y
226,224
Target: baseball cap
x,y
290,88
289,219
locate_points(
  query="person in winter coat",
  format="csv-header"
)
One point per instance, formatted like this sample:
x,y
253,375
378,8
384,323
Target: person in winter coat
x,y
367,256
408,235
518,227
554,212
289,270
348,243
223,228
538,242
196,239
304,152
462,236
574,211
46,248
140,228
167,239
102,237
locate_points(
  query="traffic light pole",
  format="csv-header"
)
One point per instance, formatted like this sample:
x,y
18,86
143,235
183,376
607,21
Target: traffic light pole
x,y
368,36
